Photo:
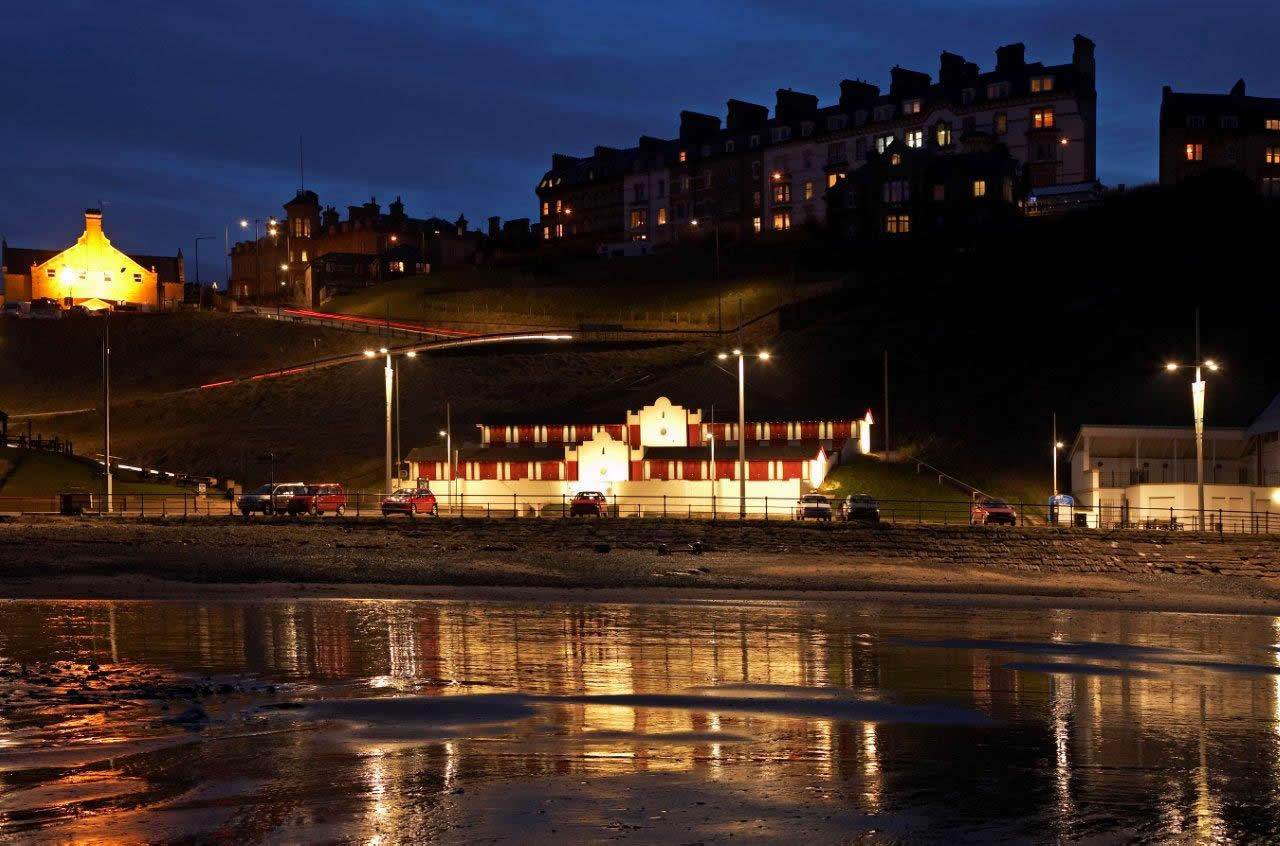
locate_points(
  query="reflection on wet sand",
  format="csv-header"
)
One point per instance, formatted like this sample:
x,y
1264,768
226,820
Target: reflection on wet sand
x,y
824,720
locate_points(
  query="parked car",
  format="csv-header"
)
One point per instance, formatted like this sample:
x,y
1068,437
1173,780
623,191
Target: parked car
x,y
860,507
45,308
588,503
17,308
327,498
989,510
815,506
411,501
266,501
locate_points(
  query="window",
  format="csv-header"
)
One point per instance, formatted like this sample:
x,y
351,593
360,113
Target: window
x,y
755,141
782,220
835,122
638,218
836,153
662,187
883,112
686,182
558,207
1272,155
808,190
895,159
546,236
559,230
637,192
1195,152
755,170
1271,186
897,224
755,200
780,133
106,276
755,224
729,146
1228,122
883,142
997,90
943,131
979,187
684,156
81,275
782,192
51,273
304,256
1041,83
967,95
939,193
1041,118
1002,123
137,277
915,137
896,191
806,128
911,107
1195,121
662,215
1273,124
860,150
546,209
1008,190
832,179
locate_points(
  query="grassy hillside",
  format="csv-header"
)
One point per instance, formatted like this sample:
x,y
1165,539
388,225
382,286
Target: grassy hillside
x,y
35,473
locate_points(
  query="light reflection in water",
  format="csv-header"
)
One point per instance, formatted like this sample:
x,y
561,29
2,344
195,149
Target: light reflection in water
x,y
1174,752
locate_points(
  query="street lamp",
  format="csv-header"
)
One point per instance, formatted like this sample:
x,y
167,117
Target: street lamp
x,y
1197,410
742,426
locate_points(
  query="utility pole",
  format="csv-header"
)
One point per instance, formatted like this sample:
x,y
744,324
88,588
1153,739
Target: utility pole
x,y
106,413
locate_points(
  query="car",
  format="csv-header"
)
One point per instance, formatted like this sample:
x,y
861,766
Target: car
x,y
815,506
45,308
17,308
860,507
328,497
411,501
263,500
588,503
989,510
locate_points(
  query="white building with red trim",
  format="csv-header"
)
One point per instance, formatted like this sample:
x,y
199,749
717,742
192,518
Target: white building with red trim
x,y
662,450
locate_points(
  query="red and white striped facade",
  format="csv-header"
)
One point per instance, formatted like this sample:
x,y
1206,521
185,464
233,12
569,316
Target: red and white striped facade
x,y
660,443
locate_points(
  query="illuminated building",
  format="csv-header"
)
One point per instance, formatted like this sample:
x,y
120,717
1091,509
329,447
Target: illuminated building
x,y
1232,132
762,174
93,268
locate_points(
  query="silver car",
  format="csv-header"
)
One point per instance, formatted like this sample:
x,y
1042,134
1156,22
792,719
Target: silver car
x,y
268,501
813,507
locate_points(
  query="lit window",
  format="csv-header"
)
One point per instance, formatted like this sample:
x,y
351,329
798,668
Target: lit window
x,y
782,220
832,178
782,193
1195,121
1195,152
883,142
895,159
997,90
1002,123
897,224
558,206
915,138
546,209
979,187
896,191
638,218
944,134
911,107
939,193
662,215
1041,118
559,230
808,190
304,255
755,224
1273,155
546,233
1041,83
684,156
1273,124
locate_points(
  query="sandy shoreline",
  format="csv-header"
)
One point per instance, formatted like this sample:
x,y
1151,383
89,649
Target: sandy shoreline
x,y
558,562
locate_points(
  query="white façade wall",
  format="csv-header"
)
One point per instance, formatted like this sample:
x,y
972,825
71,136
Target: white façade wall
x,y
601,461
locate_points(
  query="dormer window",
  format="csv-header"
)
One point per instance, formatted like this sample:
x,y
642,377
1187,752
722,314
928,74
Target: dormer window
x,y
883,112
835,122
780,133
997,90
754,142
1041,84
1273,124
911,107
684,156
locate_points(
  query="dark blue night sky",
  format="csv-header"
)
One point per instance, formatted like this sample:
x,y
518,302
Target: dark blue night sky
x,y
181,117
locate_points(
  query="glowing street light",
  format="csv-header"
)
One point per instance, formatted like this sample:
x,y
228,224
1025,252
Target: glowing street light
x,y
1197,411
742,426
244,224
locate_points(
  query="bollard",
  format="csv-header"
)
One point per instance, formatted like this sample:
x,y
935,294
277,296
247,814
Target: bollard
x,y
514,507
563,512
766,509
664,506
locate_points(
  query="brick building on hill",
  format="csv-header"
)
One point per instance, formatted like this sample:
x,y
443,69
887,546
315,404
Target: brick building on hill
x,y
762,173
1235,132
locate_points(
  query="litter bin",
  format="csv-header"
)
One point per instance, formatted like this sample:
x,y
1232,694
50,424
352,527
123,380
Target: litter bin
x,y
1082,521
74,503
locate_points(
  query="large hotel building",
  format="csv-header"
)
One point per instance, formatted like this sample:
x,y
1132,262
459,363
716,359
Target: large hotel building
x,y
759,172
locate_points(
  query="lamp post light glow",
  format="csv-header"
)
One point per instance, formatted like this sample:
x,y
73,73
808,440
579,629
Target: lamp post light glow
x,y
742,426
1197,410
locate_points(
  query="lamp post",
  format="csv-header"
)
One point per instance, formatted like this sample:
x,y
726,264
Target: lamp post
x,y
388,378
1197,410
742,426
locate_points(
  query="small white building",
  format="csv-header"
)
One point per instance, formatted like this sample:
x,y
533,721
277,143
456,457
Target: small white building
x,y
1146,475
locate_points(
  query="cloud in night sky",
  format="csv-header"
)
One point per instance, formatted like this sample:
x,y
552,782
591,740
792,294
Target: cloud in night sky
x,y
182,117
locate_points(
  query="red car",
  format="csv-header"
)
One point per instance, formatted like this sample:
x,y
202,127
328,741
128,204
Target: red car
x,y
987,511
588,503
411,501
319,499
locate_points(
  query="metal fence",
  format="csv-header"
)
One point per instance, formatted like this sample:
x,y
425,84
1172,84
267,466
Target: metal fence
x,y
509,506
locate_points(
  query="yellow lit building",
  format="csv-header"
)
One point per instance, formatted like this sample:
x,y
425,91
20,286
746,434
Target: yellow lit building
x,y
92,268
